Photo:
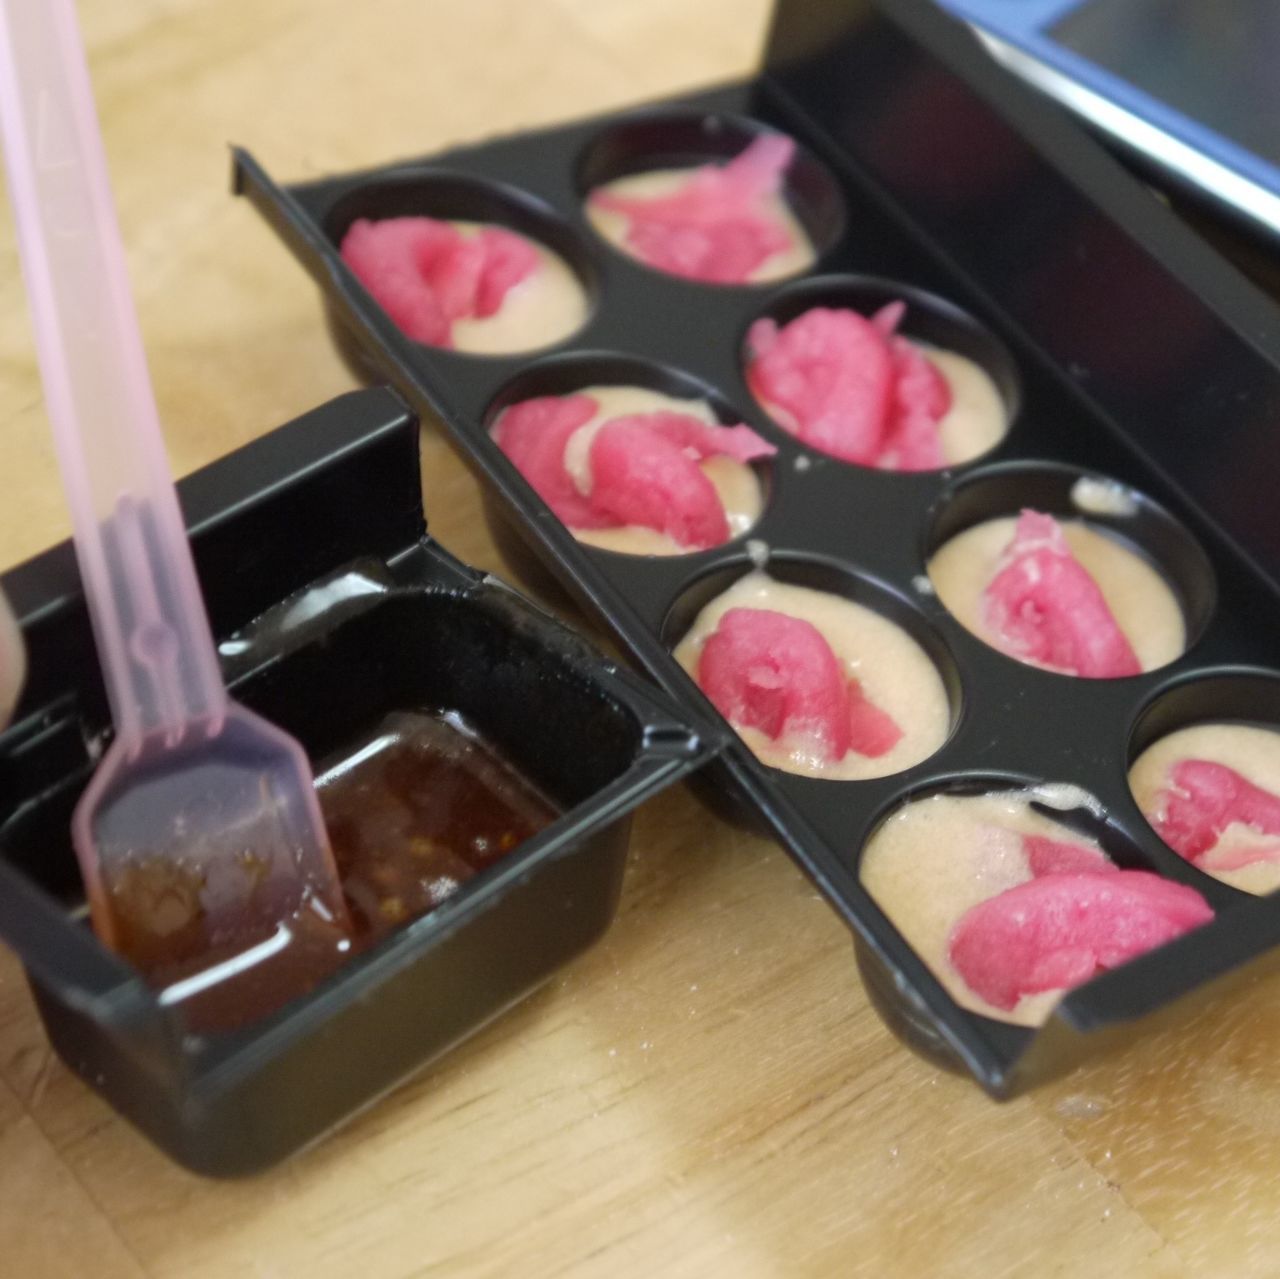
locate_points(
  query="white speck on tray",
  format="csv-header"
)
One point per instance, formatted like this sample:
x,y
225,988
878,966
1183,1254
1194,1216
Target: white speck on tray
x,y
1096,496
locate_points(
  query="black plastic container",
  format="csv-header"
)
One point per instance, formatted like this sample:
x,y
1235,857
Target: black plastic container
x,y
333,609
1124,348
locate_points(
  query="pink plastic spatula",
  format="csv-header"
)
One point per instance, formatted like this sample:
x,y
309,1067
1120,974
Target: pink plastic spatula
x,y
199,837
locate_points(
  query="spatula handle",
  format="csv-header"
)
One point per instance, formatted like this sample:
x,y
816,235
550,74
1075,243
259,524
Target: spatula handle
x,y
149,620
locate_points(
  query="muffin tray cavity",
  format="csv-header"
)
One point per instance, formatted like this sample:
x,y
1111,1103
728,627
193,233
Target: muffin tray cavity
x,y
1138,374
333,611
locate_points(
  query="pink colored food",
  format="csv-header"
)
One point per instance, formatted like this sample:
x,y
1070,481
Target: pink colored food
x,y
921,399
1058,930
426,274
872,730
1202,799
1043,607
717,227
644,466
1048,856
776,673
534,435
852,387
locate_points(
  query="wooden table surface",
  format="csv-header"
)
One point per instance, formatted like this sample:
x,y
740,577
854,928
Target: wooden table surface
x,y
707,1092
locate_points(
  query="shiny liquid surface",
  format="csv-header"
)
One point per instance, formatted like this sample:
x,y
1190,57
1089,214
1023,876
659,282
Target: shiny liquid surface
x,y
414,809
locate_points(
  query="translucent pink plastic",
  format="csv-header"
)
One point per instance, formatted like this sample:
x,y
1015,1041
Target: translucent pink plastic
x,y
190,777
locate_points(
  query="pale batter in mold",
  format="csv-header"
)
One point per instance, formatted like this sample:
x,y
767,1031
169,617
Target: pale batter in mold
x,y
854,387
977,419
937,857
548,306
892,669
612,226
1140,600
736,484
1252,752
466,286
975,423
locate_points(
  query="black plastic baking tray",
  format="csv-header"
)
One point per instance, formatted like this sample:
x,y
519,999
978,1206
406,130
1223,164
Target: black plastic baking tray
x,y
1125,347
333,608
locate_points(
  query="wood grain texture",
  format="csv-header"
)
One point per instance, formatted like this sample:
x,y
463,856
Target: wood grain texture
x,y
707,1092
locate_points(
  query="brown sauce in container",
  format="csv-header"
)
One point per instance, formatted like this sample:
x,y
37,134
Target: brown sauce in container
x,y
414,809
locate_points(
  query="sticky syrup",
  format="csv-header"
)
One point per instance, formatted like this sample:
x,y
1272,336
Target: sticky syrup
x,y
414,810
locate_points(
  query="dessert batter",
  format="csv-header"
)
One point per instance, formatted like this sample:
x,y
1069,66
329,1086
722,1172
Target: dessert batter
x,y
1139,599
891,669
1241,850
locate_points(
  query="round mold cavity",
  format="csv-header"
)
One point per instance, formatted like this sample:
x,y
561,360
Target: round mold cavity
x,y
1233,698
660,140
1126,516
836,579
929,319
903,1017
571,372
902,1011
451,197
1087,817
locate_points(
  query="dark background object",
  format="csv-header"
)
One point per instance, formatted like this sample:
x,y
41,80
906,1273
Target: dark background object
x,y
1129,348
